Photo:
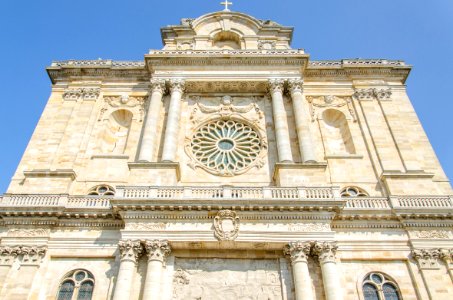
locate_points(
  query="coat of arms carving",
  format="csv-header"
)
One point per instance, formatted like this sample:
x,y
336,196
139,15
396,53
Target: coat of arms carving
x,y
226,225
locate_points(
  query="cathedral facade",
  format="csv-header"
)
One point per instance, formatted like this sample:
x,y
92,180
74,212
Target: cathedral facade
x,y
228,165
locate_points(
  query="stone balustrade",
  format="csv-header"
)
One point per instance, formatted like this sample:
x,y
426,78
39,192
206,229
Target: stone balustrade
x,y
7,202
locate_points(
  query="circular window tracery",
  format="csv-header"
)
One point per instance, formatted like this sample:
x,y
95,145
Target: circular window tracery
x,y
226,147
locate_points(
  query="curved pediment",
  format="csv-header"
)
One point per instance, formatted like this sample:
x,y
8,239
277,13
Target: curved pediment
x,y
226,30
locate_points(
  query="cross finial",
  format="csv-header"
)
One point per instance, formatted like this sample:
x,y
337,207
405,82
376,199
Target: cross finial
x,y
226,3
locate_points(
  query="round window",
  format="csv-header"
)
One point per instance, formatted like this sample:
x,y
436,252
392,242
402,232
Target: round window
x,y
226,147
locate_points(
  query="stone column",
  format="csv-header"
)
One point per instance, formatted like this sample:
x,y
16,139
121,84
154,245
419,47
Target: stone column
x,y
174,113
130,251
325,251
302,120
32,257
280,121
149,138
157,252
298,253
7,257
447,256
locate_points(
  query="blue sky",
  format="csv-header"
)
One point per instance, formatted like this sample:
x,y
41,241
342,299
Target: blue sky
x,y
33,33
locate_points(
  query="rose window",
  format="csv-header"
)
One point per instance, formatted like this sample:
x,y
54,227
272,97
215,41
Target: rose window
x,y
226,147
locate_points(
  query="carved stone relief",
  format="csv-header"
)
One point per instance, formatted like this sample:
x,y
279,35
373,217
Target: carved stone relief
x,y
145,226
373,93
28,232
430,234
226,279
309,227
427,258
136,104
226,225
330,101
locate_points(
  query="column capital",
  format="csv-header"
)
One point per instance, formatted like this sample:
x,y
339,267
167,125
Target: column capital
x,y
32,255
295,85
446,254
8,255
325,251
297,251
157,250
276,85
177,85
427,258
130,250
157,85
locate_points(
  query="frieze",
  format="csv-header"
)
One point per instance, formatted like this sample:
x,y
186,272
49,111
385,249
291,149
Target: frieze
x,y
226,87
145,226
309,227
328,101
28,232
431,234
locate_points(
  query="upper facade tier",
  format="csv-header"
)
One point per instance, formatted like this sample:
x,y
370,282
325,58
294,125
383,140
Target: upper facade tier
x,y
226,30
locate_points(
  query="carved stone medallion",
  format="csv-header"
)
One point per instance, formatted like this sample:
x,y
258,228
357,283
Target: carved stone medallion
x,y
226,225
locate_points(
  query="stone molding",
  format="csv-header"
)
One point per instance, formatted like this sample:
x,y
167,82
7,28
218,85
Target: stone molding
x,y
297,251
157,250
427,258
130,250
325,251
372,93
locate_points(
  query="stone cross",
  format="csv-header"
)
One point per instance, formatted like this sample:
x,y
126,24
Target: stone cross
x,y
226,3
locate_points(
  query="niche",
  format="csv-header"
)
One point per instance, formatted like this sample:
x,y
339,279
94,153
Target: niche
x,y
226,40
337,136
114,136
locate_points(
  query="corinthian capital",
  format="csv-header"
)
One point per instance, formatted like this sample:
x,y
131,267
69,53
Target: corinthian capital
x,y
297,251
276,85
8,255
157,250
158,85
32,255
295,85
130,250
427,258
177,85
325,251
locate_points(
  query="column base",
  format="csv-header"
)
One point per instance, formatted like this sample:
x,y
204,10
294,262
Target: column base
x,y
299,174
154,173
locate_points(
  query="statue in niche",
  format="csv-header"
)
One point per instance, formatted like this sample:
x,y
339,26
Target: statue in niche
x,y
116,132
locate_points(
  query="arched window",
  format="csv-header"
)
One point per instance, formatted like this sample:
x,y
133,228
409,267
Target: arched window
x,y
76,285
353,191
102,190
378,286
